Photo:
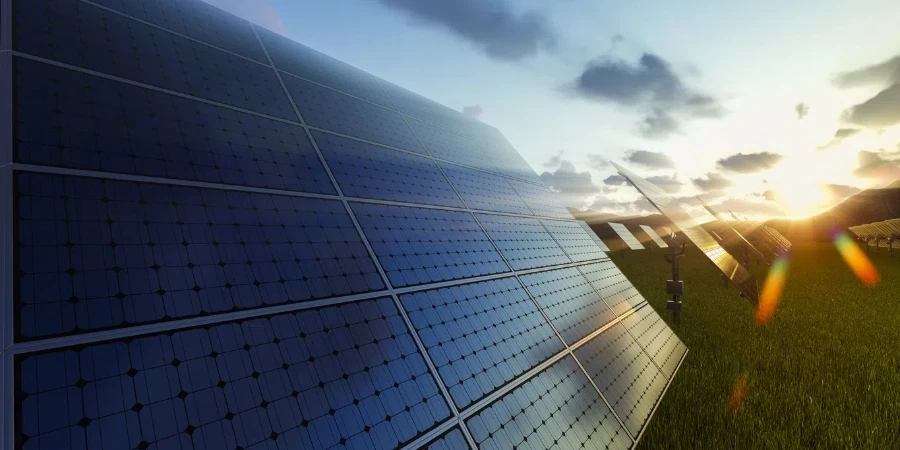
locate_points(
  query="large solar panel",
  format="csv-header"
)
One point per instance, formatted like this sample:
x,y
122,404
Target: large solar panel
x,y
742,279
216,238
626,236
745,242
654,237
594,237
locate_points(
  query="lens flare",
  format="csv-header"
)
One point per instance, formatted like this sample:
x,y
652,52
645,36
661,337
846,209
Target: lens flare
x,y
772,290
857,260
738,394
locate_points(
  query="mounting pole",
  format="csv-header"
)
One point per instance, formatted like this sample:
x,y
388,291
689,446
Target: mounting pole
x,y
675,287
622,251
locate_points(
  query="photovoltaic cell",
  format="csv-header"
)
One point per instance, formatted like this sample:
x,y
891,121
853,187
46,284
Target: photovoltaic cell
x,y
369,171
96,254
540,200
346,376
70,119
83,35
594,237
569,301
612,285
523,241
625,375
307,63
451,440
484,191
448,146
656,338
198,20
330,110
480,336
574,240
558,408
626,236
654,237
416,245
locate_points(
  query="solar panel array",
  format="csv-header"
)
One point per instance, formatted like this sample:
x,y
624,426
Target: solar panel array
x,y
879,234
739,276
216,238
729,228
654,237
626,236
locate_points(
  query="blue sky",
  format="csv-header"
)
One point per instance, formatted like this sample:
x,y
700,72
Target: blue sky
x,y
769,108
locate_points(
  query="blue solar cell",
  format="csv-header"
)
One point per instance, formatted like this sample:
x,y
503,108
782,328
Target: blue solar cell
x,y
483,190
570,302
330,110
86,36
625,375
481,335
369,171
347,375
613,286
574,240
657,339
540,200
558,408
198,20
451,440
307,63
523,241
417,246
71,119
100,253
452,147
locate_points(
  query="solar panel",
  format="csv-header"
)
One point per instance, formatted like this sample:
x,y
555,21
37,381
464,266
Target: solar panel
x,y
626,236
742,279
668,231
217,238
654,237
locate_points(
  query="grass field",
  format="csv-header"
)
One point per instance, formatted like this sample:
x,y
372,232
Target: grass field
x,y
823,373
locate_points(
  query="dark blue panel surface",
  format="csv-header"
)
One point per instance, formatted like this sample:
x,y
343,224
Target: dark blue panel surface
x,y
540,199
416,245
574,240
557,409
481,335
97,254
451,440
613,286
328,109
346,376
625,375
196,19
307,63
86,36
657,339
570,302
483,190
70,119
523,241
369,171
452,147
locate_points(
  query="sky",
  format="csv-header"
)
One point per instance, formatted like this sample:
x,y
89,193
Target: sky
x,y
767,108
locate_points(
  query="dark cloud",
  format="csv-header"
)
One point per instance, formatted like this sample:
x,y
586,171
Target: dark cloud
x,y
749,162
881,166
574,187
615,180
887,72
711,182
669,184
802,109
651,87
492,25
839,191
653,160
473,111
882,110
598,162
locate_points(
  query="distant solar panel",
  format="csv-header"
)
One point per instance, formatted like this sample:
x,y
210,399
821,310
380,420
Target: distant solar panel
x,y
217,238
626,236
668,231
654,237
742,279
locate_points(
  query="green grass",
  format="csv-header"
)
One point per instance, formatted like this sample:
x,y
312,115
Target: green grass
x,y
823,373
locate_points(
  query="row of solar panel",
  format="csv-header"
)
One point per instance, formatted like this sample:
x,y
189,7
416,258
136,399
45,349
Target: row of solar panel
x,y
879,234
351,376
85,35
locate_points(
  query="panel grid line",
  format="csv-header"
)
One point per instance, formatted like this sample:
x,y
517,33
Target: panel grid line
x,y
662,395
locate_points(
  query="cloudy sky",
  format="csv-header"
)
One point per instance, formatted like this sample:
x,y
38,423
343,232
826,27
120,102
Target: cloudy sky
x,y
767,108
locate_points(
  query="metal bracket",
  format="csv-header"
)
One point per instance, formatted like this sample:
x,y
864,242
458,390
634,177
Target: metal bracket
x,y
675,287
